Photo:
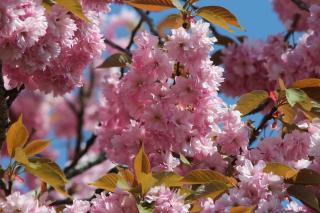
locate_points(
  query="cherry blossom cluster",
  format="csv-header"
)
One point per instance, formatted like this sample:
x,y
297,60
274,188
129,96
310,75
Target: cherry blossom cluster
x,y
48,50
168,100
258,64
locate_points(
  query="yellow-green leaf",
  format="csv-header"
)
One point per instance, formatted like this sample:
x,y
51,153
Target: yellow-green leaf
x,y
143,209
250,101
35,147
127,175
219,16
141,164
305,195
280,170
46,5
49,172
306,177
281,84
172,21
306,83
152,5
116,60
170,179
74,7
184,160
195,207
297,96
147,181
288,112
212,190
17,136
20,156
205,176
177,4
107,182
242,209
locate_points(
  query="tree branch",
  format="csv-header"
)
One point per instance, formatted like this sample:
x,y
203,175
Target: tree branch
x,y
256,132
133,34
80,123
292,27
75,161
74,172
116,46
148,20
301,4
4,114
13,94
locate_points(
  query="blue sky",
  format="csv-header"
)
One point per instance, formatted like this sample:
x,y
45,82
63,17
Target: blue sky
x,y
256,16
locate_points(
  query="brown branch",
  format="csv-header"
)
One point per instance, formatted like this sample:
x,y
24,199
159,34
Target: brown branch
x,y
4,114
256,132
116,46
292,27
80,123
133,34
75,161
13,94
301,4
148,20
74,172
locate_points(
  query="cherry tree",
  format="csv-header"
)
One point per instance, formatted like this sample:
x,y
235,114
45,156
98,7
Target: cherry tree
x,y
141,115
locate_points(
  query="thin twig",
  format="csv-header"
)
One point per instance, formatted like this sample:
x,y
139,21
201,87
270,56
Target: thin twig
x,y
101,158
256,132
4,114
292,27
301,4
75,161
148,20
80,123
115,46
133,34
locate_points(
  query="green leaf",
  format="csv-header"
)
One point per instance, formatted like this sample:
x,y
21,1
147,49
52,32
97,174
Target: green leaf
x,y
107,182
141,164
305,195
219,16
151,5
172,21
306,177
74,7
205,176
250,101
36,147
177,4
297,96
17,136
49,172
280,170
116,60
